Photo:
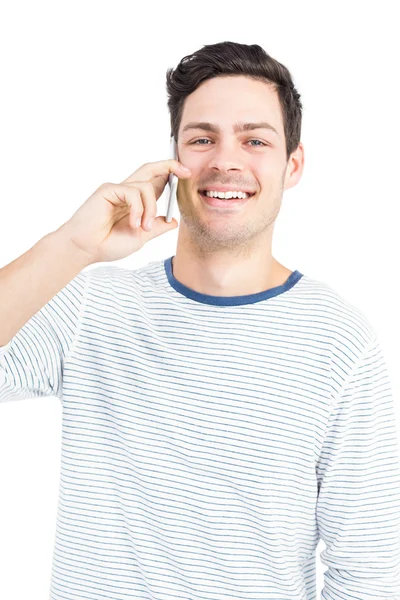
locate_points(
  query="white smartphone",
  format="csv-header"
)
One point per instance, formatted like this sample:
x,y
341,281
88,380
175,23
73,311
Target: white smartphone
x,y
172,182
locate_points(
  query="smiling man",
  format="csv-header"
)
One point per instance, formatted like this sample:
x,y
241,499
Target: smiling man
x,y
222,413
232,137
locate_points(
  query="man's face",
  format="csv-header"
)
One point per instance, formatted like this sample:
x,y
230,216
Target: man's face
x,y
254,159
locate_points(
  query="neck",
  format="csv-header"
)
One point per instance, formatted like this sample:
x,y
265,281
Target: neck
x,y
229,276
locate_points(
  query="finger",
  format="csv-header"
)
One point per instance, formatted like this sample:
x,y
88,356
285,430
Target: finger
x,y
139,199
144,206
161,226
161,168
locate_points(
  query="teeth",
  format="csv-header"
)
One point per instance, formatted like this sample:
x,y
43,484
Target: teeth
x,y
226,195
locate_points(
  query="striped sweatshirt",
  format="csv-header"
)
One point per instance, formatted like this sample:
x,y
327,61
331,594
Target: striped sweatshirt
x,y
210,442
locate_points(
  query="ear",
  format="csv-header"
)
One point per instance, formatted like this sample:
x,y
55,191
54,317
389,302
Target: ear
x,y
295,166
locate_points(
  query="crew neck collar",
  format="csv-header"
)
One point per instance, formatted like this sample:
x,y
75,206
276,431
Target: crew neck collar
x,y
228,300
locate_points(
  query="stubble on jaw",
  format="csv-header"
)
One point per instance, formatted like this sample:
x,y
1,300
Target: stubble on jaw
x,y
227,235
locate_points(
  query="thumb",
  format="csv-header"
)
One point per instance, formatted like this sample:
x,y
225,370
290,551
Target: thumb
x,y
161,226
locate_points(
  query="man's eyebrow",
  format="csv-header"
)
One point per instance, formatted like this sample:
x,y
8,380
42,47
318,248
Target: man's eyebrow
x,y
237,127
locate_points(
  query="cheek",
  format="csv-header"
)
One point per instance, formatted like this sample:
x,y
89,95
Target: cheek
x,y
184,186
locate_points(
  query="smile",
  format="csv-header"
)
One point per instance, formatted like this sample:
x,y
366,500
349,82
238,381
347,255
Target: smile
x,y
226,203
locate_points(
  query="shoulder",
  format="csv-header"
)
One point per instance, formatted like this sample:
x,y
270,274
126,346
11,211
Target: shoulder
x,y
339,316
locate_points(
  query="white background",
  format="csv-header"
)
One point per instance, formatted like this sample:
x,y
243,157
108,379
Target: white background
x,y
83,102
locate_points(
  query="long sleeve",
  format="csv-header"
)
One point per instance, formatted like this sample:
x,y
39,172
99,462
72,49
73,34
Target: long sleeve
x,y
31,364
358,471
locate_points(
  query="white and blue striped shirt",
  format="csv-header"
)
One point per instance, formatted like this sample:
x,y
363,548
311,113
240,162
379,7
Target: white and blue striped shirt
x,y
209,442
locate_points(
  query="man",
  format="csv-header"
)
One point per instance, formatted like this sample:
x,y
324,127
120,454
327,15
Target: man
x,y
221,412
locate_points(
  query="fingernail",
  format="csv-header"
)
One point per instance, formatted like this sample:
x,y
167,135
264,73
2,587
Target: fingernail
x,y
186,169
138,222
150,223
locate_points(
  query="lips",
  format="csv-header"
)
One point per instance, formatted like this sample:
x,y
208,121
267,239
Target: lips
x,y
231,204
249,193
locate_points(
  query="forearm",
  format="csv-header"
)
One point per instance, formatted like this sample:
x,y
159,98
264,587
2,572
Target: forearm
x,y
32,279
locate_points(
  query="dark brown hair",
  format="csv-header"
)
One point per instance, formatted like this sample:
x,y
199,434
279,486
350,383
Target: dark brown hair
x,y
231,58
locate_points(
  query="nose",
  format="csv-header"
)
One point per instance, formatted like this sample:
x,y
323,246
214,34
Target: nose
x,y
225,157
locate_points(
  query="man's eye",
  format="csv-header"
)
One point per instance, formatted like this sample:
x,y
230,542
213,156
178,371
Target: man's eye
x,y
207,140
200,140
258,141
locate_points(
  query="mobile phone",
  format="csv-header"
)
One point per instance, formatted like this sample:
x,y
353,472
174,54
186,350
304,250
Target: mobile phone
x,y
172,181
